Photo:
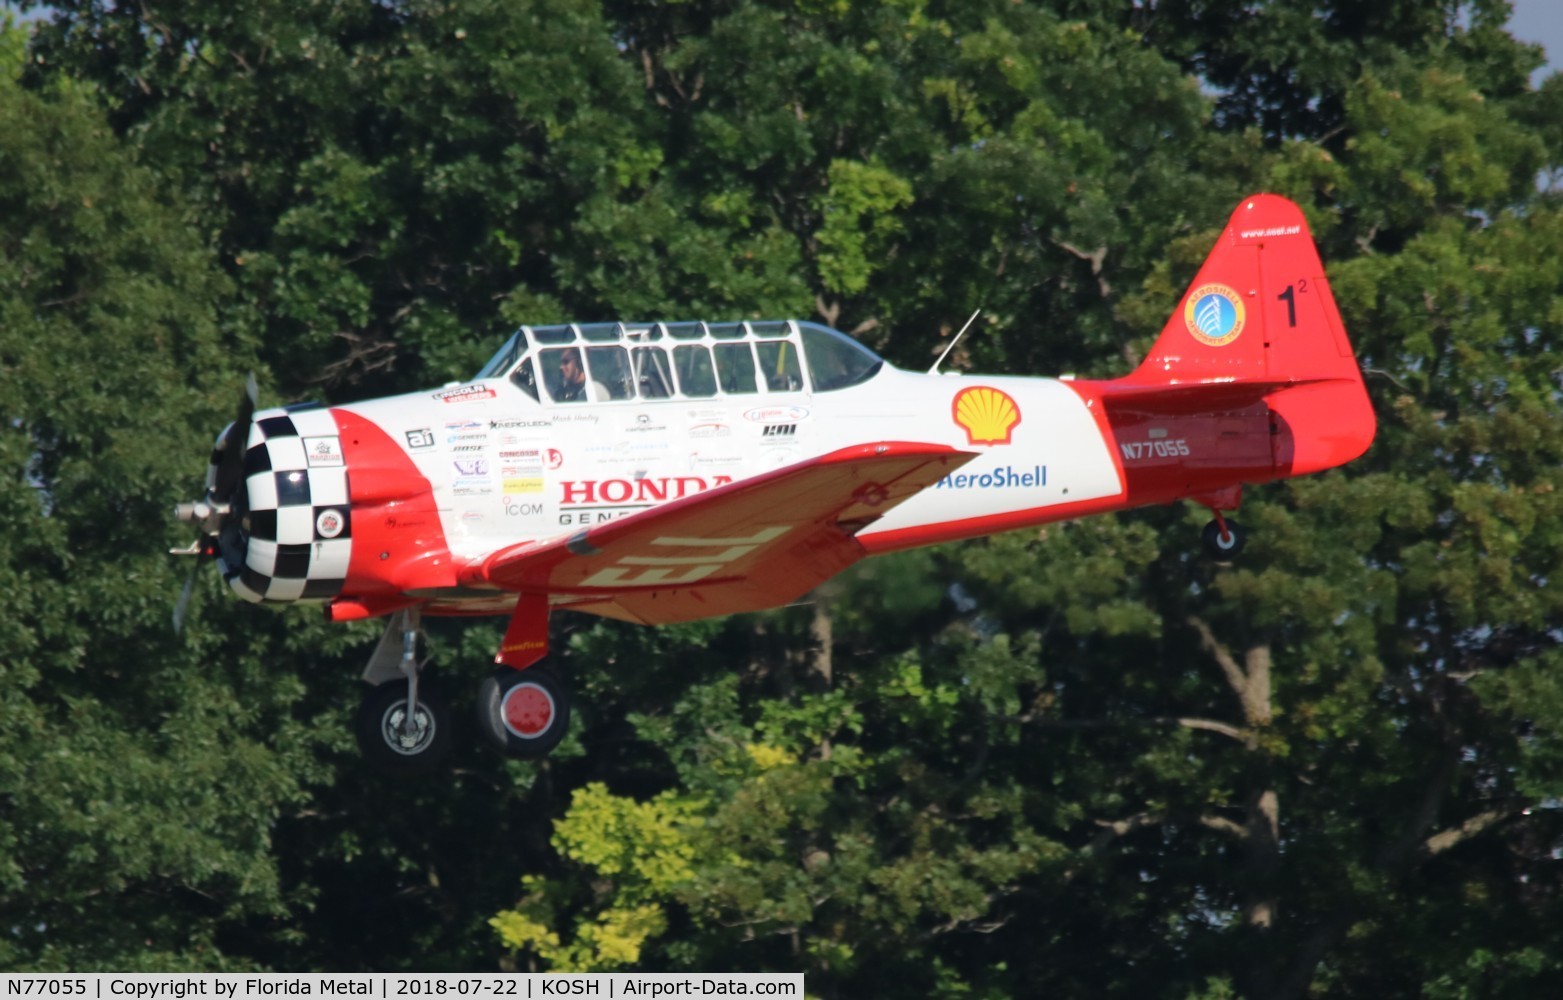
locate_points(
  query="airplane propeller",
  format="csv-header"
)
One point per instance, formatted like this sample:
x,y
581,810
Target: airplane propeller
x,y
212,511
230,469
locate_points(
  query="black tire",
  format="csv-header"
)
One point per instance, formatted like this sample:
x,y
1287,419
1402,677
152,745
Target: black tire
x,y
378,728
525,713
1224,547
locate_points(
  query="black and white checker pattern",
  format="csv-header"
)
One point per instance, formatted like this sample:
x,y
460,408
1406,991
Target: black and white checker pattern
x,y
300,523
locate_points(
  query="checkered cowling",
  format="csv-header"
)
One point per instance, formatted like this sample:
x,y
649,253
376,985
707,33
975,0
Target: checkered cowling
x,y
298,535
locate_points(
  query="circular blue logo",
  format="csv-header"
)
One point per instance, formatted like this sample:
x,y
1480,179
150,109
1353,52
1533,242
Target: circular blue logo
x,y
1214,315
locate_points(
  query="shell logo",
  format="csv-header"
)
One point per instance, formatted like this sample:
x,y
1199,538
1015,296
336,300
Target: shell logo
x,y
1214,315
988,415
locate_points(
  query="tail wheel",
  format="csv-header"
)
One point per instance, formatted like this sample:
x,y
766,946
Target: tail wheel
x,y
524,712
1224,545
395,742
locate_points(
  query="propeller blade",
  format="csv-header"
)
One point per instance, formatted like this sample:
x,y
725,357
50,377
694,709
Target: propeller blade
x,y
230,469
183,604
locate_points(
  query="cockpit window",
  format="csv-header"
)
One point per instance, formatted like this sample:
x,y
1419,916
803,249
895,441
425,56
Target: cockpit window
x,y
779,362
500,363
610,371
524,379
836,361
735,368
619,361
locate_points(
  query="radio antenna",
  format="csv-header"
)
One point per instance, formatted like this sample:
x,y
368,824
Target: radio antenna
x,y
935,369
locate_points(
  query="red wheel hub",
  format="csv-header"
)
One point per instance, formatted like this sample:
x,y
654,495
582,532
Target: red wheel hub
x,y
528,710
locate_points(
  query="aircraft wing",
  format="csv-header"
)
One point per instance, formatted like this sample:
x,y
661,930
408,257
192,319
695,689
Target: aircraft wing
x,y
748,545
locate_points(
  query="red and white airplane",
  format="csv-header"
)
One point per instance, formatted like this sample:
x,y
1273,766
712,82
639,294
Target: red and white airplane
x,y
664,472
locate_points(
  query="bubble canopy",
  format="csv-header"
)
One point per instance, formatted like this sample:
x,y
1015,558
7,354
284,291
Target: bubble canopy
x,y
687,360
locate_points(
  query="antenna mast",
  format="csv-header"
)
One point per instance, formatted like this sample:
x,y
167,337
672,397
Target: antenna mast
x,y
953,342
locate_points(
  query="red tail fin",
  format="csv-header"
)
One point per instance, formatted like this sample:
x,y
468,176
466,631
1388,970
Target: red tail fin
x,y
1259,309
1259,322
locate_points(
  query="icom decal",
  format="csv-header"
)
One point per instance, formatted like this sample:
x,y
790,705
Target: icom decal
x,y
986,414
1214,315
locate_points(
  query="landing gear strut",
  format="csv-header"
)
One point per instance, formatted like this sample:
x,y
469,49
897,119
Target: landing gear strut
x,y
402,727
1223,538
524,709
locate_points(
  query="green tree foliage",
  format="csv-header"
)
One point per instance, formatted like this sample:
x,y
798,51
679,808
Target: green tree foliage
x,y
138,780
1077,760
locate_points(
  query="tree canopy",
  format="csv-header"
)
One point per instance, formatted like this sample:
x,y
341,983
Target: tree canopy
x,y
1077,760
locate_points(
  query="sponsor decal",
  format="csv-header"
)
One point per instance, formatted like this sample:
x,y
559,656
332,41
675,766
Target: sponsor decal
x,y
471,466
591,516
473,516
776,414
468,448
523,484
553,458
986,414
423,437
457,426
323,451
1004,477
644,425
649,490
480,436
514,508
514,425
329,523
1214,315
702,459
465,394
472,488
710,430
1257,234
779,430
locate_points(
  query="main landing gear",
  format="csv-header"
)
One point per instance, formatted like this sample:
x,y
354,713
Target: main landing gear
x,y
523,709
524,713
402,726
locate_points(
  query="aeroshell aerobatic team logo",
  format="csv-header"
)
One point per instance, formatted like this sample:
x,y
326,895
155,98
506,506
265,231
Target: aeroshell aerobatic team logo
x,y
986,414
1214,315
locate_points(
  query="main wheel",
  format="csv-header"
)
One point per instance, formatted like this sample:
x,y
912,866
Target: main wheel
x,y
391,741
524,713
1224,546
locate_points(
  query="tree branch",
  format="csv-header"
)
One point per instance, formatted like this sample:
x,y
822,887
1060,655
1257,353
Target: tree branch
x,y
1236,679
1442,841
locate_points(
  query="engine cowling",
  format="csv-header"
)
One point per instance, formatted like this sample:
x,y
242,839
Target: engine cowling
x,y
289,533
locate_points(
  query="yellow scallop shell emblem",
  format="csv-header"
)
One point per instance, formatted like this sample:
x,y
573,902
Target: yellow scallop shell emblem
x,y
987,415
